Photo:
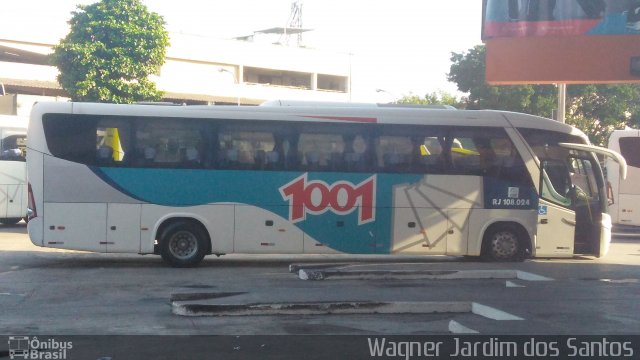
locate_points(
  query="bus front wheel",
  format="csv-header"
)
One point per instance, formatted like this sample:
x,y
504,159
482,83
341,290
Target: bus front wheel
x,y
504,243
183,245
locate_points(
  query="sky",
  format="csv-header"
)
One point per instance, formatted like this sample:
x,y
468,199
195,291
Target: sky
x,y
399,47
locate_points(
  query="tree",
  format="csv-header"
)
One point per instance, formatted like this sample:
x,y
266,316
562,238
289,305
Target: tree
x,y
112,48
434,98
595,109
599,109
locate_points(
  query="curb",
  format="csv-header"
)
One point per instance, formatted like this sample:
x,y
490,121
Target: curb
x,y
326,274
340,307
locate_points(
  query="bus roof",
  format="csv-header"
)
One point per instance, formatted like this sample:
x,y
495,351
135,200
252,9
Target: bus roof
x,y
328,112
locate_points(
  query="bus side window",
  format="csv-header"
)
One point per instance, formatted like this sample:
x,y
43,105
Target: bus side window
x,y
246,149
488,152
394,153
321,151
112,142
430,153
170,143
355,157
14,146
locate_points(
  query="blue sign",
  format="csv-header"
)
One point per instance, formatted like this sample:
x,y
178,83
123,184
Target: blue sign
x,y
542,209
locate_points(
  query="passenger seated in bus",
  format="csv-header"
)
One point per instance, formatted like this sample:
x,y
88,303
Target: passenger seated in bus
x,y
355,159
470,161
313,159
230,157
12,154
272,159
105,155
427,154
192,156
149,155
266,159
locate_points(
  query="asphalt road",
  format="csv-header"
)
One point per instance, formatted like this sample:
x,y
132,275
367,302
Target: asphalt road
x,y
56,293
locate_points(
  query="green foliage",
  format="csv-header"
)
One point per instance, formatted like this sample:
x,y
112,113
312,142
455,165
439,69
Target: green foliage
x,y
599,109
595,109
112,48
434,98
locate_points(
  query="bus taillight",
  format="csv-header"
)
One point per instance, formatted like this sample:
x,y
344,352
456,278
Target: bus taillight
x,y
31,207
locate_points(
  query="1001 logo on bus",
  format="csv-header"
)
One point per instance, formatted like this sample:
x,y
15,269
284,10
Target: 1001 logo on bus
x,y
317,197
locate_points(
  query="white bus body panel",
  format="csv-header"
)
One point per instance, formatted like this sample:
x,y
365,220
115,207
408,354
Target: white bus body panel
x,y
312,246
259,231
35,226
605,234
556,231
13,174
428,219
76,226
13,189
625,209
123,228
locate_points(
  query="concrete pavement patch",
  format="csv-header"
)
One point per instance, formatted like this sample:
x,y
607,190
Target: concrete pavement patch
x,y
346,274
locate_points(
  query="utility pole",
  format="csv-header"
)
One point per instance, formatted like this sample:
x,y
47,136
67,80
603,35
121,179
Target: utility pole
x,y
562,102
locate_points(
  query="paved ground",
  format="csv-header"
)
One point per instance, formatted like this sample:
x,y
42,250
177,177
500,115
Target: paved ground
x,y
57,292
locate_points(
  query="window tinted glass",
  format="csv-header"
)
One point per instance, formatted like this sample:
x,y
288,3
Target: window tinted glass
x,y
323,147
414,149
630,149
113,143
71,137
487,152
14,145
169,143
242,148
545,143
274,145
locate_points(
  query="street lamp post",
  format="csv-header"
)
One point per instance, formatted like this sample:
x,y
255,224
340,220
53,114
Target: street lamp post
x,y
236,80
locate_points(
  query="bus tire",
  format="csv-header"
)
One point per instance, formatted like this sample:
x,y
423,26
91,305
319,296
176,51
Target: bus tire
x,y
183,244
10,221
504,242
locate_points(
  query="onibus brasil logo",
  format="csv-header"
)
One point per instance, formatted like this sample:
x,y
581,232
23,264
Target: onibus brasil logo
x,y
24,347
317,197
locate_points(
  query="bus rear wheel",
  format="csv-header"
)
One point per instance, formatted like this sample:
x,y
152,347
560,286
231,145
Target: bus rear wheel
x,y
504,243
183,245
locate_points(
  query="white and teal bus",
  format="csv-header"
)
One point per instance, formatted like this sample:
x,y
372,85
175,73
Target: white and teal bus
x,y
187,181
13,169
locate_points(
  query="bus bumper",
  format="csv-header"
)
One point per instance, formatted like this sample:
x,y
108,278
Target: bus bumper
x,y
605,235
34,227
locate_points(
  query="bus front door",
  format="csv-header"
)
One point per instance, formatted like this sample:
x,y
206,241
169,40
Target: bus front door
x,y
556,216
587,196
570,209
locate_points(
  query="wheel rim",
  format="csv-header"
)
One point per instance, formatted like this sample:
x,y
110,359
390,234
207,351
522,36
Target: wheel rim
x,y
183,245
504,244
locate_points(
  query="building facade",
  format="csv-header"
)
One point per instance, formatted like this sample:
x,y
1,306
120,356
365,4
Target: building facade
x,y
198,70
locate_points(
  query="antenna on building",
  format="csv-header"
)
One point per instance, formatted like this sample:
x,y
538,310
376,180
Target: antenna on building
x,y
294,24
293,27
